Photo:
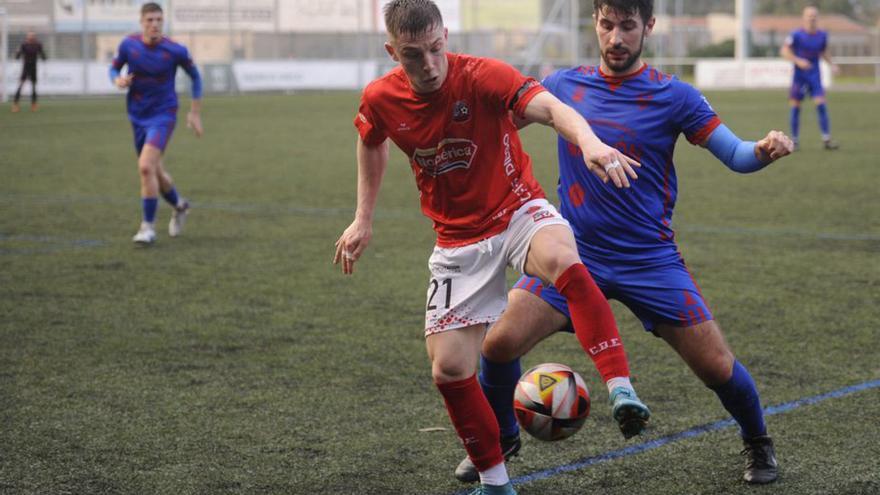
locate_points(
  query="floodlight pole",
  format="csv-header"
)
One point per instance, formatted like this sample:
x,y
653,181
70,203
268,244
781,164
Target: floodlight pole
x,y
743,28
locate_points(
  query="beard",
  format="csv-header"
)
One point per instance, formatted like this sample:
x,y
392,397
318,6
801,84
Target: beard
x,y
625,64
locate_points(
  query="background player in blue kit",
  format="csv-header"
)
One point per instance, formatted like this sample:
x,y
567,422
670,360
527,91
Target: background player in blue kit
x,y
152,61
625,237
804,47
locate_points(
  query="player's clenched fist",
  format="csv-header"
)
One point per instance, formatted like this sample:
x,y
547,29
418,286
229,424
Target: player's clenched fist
x,y
123,82
774,146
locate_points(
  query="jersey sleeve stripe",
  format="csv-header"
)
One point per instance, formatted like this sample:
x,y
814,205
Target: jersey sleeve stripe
x,y
700,136
519,108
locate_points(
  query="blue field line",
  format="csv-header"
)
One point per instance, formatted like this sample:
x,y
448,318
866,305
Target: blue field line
x,y
50,243
693,432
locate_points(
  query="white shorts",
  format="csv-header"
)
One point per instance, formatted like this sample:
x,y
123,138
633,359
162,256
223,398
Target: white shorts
x,y
468,284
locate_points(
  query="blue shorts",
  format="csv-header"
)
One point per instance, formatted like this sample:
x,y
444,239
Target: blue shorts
x,y
664,292
157,134
806,82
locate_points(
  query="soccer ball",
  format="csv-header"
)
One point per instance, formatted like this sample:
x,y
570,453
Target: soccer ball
x,y
551,402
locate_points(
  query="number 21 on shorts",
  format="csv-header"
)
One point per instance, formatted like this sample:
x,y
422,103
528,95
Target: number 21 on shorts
x,y
435,287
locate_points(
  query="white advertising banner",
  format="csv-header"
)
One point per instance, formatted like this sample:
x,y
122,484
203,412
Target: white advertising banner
x,y
213,15
99,15
55,78
751,73
67,78
303,74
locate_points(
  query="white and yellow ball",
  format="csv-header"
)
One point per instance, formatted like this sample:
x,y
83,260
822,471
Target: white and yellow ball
x,y
551,402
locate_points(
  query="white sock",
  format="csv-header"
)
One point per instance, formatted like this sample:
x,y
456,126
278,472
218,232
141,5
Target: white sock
x,y
618,381
495,475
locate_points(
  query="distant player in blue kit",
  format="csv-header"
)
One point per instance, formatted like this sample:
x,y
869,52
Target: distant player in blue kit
x,y
804,47
152,61
624,236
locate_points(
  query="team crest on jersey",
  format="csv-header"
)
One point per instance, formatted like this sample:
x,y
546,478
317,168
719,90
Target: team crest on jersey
x,y
460,111
450,154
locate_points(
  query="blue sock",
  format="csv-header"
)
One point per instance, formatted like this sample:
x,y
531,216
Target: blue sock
x,y
795,121
171,196
499,382
824,124
740,397
150,206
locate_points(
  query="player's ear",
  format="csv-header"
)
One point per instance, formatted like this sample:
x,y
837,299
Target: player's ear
x,y
650,25
391,52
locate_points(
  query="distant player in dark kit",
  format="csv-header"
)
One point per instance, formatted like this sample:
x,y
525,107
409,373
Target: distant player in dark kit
x,y
152,61
625,236
30,50
804,47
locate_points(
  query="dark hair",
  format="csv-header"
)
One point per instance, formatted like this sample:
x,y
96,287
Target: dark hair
x,y
645,8
411,17
150,7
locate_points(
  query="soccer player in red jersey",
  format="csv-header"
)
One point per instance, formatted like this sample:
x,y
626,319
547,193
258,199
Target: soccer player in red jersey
x,y
451,115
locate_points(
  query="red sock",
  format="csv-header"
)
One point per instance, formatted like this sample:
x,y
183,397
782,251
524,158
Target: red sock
x,y
474,421
593,321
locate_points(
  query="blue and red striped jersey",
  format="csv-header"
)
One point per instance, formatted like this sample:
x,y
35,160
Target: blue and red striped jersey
x,y
151,96
809,46
641,115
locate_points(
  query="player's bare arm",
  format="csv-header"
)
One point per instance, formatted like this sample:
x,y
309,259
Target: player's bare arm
x,y
835,69
603,160
789,55
194,118
372,162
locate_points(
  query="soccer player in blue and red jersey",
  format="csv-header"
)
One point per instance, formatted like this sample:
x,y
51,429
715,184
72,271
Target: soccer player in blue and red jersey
x,y
624,236
152,61
804,47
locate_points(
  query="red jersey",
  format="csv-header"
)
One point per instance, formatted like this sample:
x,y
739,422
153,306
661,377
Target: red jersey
x,y
465,153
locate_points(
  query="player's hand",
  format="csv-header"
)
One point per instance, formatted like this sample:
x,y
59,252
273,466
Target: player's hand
x,y
194,122
835,69
351,245
610,164
123,82
803,64
773,147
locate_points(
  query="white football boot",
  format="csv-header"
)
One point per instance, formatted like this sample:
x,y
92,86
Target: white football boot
x,y
146,235
178,218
